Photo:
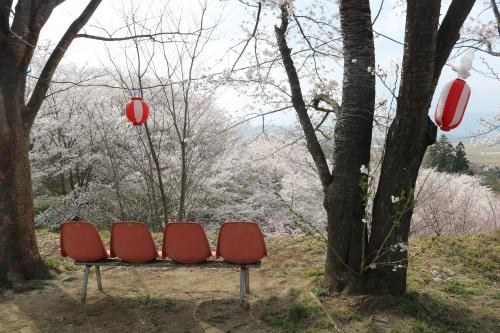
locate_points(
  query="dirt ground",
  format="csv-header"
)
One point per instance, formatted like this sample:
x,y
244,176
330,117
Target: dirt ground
x,y
286,296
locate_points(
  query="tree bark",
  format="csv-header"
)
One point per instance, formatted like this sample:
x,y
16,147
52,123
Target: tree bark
x,y
411,132
343,198
353,129
351,249
19,256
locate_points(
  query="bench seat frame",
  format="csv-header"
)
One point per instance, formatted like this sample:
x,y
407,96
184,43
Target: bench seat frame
x,y
217,264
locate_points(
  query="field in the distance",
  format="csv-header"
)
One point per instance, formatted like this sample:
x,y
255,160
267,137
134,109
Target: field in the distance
x,y
483,155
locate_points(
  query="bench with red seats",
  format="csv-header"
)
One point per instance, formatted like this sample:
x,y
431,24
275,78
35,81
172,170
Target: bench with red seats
x,y
240,244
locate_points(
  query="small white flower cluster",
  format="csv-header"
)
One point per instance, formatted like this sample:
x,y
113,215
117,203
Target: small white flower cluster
x,y
394,199
440,275
354,60
373,265
363,169
401,247
370,70
364,221
226,74
396,267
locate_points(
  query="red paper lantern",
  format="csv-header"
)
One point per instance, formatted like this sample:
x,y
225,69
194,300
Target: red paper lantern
x,y
452,103
137,111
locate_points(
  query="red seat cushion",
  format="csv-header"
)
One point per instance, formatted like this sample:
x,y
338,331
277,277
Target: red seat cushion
x,y
81,241
185,242
132,242
241,242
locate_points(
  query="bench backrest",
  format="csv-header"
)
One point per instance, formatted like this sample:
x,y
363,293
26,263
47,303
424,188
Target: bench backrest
x,y
81,241
241,242
132,241
185,242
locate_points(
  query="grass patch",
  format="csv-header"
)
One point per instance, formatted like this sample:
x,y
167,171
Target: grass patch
x,y
302,315
148,301
294,292
320,291
431,313
51,262
313,273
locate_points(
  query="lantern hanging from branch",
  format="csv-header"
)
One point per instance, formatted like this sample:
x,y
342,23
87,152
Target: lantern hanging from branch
x,y
137,111
454,97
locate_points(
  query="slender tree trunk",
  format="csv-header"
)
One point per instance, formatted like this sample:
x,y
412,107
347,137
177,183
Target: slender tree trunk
x,y
63,183
71,180
182,201
158,173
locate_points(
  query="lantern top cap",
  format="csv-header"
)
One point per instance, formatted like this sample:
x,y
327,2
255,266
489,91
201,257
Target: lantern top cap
x,y
136,98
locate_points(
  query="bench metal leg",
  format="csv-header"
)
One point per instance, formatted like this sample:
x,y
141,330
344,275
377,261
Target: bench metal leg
x,y
247,280
85,282
242,284
98,277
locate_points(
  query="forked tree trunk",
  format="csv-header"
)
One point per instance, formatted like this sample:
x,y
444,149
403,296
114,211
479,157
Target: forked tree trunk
x,y
426,51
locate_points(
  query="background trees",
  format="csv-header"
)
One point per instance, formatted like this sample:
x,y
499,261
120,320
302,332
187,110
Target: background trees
x,y
446,158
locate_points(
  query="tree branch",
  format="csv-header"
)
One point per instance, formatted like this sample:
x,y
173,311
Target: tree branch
x,y
298,102
449,32
497,14
5,8
119,39
250,37
328,100
43,82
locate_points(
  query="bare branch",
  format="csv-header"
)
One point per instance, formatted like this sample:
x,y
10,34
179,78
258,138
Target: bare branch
x,y
250,37
494,6
146,36
298,102
5,8
328,100
378,13
449,32
42,85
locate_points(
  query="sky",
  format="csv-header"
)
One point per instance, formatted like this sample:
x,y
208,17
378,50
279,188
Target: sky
x,y
484,100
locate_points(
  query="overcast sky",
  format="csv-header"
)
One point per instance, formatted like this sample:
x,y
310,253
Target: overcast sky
x,y
484,98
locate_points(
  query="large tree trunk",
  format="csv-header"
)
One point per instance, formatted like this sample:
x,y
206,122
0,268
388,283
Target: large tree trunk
x,y
19,258
343,196
426,50
353,129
